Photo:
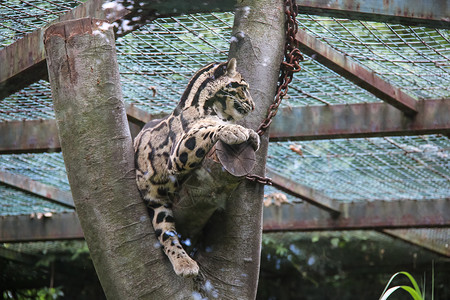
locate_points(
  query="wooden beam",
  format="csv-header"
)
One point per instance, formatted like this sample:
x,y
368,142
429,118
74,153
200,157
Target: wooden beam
x,y
375,215
25,228
303,192
29,136
35,187
42,135
431,13
359,120
297,123
356,73
23,62
360,215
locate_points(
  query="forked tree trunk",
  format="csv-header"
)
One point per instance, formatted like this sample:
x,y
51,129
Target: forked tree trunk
x,y
98,154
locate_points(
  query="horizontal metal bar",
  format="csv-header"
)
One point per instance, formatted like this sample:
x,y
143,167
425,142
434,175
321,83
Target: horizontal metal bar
x,y
23,62
431,13
356,73
296,217
296,123
40,189
359,120
29,136
25,228
303,192
42,135
360,215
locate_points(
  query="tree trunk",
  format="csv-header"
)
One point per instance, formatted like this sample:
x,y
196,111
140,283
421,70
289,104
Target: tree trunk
x,y
99,159
232,242
98,154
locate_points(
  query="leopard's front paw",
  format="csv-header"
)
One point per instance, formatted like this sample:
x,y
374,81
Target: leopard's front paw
x,y
234,134
186,267
254,139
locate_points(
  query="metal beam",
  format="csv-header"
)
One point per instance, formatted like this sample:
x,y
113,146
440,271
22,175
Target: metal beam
x,y
42,135
359,120
431,13
139,116
23,62
38,188
305,193
360,215
356,73
29,136
25,228
297,123
296,217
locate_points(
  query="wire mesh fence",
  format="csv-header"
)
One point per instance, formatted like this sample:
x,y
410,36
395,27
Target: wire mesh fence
x,y
31,103
15,202
416,59
157,60
47,168
389,168
19,17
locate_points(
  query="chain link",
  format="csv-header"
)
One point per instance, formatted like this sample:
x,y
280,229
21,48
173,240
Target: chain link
x,y
289,66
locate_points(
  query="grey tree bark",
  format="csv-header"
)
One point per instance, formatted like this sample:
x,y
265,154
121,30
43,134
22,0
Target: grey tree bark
x,y
98,154
234,234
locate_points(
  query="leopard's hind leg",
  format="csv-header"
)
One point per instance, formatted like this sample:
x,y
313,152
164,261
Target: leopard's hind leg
x,y
163,223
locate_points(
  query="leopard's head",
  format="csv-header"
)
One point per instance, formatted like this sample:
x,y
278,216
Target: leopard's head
x,y
231,99
217,89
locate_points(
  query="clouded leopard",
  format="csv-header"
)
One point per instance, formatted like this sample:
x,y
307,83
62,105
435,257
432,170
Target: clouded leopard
x,y
167,150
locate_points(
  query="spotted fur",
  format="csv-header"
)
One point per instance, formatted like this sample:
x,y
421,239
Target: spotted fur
x,y
167,150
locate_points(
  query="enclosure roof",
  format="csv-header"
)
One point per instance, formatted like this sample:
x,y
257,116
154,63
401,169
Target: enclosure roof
x,y
363,67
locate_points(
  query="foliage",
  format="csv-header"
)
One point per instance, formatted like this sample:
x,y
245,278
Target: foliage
x,y
44,293
47,271
414,292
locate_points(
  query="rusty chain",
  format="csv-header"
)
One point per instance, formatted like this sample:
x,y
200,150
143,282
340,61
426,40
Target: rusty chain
x,y
289,66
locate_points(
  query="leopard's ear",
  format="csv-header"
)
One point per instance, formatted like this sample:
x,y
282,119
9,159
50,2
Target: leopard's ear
x,y
231,67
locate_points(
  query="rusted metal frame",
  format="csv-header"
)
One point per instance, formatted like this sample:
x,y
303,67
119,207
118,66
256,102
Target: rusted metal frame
x,y
24,228
139,116
303,192
27,184
359,120
23,62
356,73
428,13
413,237
42,135
29,136
364,215
375,215
297,123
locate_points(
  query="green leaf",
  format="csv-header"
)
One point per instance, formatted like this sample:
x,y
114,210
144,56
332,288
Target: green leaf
x,y
410,290
415,293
